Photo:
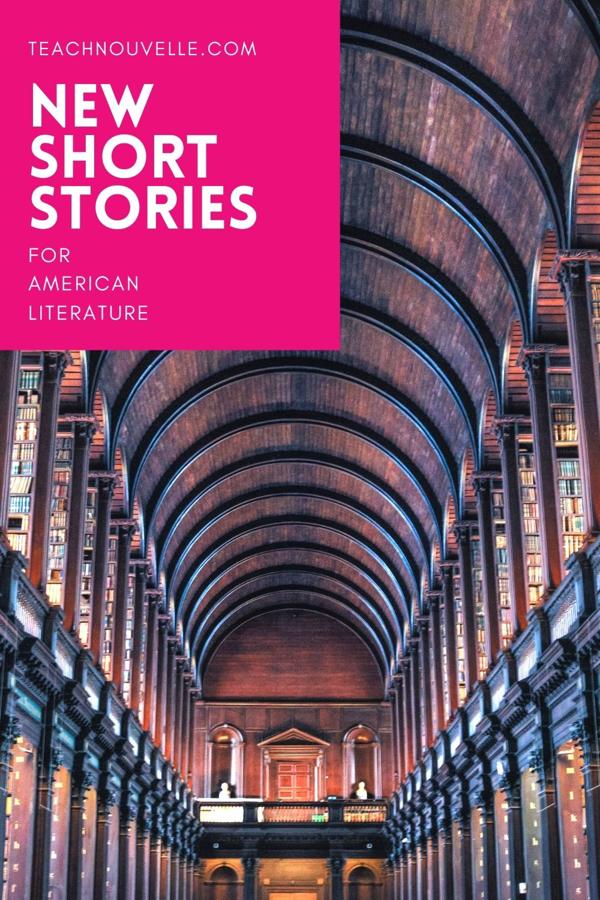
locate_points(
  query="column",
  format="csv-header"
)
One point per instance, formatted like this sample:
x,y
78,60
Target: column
x,y
506,433
435,630
483,493
445,858
106,483
48,760
586,380
150,673
463,536
185,727
161,682
407,713
426,668
127,847
542,762
416,699
552,553
178,733
126,530
142,854
512,792
140,632
398,720
106,800
54,366
489,844
83,431
154,871
170,704
336,871
81,782
9,379
447,570
587,736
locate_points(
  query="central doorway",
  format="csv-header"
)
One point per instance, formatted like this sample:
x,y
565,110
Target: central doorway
x,y
295,781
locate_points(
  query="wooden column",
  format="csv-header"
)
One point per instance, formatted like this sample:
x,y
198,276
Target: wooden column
x,y
161,682
127,848
336,871
83,431
185,728
54,366
177,729
152,652
140,633
154,871
573,277
435,637
447,575
106,482
507,435
490,868
512,792
542,761
142,862
398,725
9,379
106,800
586,735
42,806
426,668
170,711
125,531
482,484
80,784
552,551
407,713
415,684
463,536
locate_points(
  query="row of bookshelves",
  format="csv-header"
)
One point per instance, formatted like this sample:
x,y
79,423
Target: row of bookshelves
x,y
23,458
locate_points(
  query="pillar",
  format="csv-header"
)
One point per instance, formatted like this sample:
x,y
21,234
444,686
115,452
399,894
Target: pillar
x,y
9,379
489,845
336,871
150,671
178,718
185,727
426,668
161,682
483,493
415,684
543,446
170,711
48,760
447,575
507,435
106,800
140,634
463,536
542,761
125,531
54,366
512,792
83,431
587,736
106,483
437,670
407,713
80,784
126,883
586,381
142,861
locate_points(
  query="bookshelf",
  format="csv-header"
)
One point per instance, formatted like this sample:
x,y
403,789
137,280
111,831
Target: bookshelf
x,y
595,314
460,638
477,573
24,455
531,516
87,562
501,560
128,660
445,690
109,604
62,475
564,426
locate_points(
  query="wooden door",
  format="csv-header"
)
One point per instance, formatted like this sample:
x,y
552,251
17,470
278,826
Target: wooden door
x,y
295,781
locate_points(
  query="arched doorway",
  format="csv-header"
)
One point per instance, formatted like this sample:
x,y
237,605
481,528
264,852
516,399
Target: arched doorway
x,y
224,884
362,884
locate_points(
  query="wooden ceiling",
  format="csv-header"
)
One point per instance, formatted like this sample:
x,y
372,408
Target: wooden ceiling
x,y
322,480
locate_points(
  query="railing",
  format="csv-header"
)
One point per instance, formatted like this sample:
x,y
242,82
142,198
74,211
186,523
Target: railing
x,y
264,812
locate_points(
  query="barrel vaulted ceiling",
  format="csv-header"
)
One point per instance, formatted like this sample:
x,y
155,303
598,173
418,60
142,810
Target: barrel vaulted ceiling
x,y
323,480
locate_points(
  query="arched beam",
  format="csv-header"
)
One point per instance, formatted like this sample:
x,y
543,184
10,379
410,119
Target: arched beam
x,y
481,90
354,538
457,200
260,460
222,596
588,13
290,365
426,352
230,621
261,420
340,500
433,278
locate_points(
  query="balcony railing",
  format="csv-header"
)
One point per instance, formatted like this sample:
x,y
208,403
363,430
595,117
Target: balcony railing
x,y
264,812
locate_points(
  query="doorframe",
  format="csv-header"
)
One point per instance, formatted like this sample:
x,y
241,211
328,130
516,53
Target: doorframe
x,y
292,745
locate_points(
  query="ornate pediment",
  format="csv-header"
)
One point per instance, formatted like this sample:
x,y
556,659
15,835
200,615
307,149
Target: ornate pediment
x,y
293,737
